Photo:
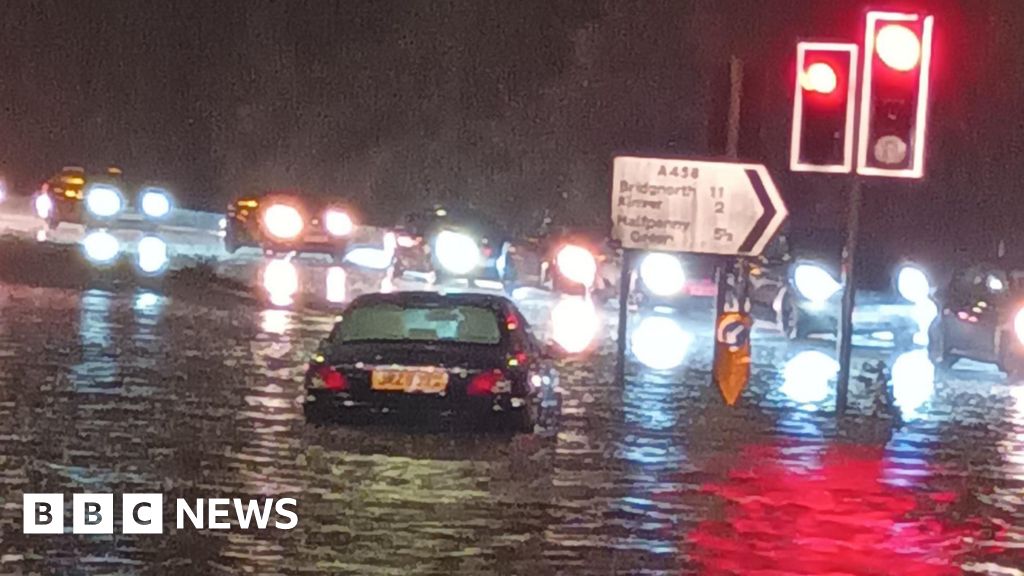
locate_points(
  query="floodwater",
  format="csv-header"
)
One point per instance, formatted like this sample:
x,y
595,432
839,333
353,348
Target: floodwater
x,y
137,392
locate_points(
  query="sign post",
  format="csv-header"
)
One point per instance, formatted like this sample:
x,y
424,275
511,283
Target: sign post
x,y
699,206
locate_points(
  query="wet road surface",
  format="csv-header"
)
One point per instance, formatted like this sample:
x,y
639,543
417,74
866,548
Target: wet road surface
x,y
136,392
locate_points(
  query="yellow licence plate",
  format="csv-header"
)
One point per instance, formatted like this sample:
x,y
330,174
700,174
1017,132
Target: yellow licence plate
x,y
409,381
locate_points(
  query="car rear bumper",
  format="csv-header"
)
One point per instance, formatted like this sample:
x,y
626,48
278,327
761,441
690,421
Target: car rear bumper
x,y
342,400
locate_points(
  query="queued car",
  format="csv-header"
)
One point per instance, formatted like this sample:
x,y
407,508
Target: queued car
x,y
981,318
452,247
796,287
567,261
672,280
470,355
100,203
99,200
285,222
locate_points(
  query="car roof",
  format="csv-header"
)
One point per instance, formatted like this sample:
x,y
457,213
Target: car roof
x,y
423,298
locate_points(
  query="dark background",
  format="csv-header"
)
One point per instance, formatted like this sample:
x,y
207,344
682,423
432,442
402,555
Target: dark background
x,y
512,106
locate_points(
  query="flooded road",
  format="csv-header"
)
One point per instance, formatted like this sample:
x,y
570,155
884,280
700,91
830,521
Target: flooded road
x,y
136,392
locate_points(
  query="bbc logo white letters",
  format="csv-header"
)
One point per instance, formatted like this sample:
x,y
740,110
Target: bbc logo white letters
x,y
142,514
42,514
92,514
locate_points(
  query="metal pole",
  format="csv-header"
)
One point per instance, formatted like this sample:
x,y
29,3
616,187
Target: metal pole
x,y
845,341
625,283
732,146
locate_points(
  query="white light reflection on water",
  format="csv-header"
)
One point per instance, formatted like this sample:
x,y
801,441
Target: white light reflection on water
x,y
913,383
807,378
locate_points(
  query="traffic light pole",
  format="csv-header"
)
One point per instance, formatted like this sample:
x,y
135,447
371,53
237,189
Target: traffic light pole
x,y
845,341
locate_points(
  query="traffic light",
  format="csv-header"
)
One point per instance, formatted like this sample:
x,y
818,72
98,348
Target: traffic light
x,y
894,97
824,107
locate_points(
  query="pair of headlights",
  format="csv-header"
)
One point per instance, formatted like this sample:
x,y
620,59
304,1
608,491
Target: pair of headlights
x,y
104,201
818,285
285,222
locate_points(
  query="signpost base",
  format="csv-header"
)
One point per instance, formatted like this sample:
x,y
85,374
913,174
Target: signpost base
x,y
844,343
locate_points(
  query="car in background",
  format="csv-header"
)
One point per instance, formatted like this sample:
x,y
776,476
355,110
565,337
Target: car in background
x,y
795,285
103,206
981,318
449,247
568,261
666,280
464,354
284,222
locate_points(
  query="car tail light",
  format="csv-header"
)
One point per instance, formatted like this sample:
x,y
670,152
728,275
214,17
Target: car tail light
x,y
484,384
332,379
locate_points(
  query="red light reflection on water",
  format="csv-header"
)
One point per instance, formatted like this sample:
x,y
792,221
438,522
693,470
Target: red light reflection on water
x,y
834,517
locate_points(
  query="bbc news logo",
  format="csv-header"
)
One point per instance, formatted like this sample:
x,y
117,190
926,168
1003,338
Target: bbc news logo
x,y
144,513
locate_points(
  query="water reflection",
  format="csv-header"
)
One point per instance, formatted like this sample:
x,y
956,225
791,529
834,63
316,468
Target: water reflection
x,y
99,364
660,343
275,321
807,378
838,518
913,383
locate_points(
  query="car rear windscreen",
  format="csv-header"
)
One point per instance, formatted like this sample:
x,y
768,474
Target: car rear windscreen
x,y
390,322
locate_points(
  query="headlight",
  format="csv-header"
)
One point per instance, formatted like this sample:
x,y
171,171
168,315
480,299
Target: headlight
x,y
155,202
995,283
283,221
152,255
338,223
662,274
104,201
457,252
577,264
101,247
43,206
660,343
1018,325
281,281
815,283
912,284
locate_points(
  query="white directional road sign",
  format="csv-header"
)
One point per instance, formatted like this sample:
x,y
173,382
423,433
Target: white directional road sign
x,y
674,205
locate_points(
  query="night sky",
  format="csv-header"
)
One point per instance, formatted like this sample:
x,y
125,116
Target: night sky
x,y
511,106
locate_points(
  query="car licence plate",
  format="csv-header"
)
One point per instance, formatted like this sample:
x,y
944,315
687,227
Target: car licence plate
x,y
409,381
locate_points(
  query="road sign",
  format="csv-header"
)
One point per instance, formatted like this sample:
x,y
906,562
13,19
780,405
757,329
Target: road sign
x,y
674,205
732,358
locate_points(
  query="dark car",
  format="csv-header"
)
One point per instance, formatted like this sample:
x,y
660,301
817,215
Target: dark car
x,y
100,200
568,260
466,354
796,285
981,318
452,246
283,222
673,280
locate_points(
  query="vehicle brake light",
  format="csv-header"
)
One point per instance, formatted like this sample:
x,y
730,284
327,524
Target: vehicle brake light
x,y
332,379
484,384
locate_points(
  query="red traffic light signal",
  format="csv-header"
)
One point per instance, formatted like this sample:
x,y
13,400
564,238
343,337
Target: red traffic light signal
x,y
894,97
823,107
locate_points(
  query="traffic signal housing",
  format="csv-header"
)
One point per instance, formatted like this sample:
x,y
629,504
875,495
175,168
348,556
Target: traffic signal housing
x,y
824,107
895,94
